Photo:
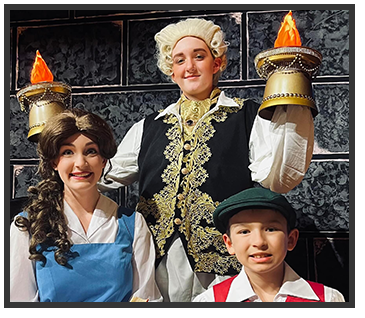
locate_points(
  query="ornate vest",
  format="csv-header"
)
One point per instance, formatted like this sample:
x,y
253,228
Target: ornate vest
x,y
182,180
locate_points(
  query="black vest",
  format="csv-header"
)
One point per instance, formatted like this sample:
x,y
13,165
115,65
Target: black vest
x,y
181,184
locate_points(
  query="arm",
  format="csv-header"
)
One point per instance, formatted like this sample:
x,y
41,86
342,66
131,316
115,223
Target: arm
x,y
144,284
281,149
125,162
23,286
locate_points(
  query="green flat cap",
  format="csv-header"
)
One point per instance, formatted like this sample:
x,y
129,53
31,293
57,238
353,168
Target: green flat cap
x,y
253,198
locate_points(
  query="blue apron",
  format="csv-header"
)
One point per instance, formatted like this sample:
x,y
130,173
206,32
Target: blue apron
x,y
94,273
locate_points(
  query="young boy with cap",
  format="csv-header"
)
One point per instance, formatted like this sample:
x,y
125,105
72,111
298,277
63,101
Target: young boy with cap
x,y
258,227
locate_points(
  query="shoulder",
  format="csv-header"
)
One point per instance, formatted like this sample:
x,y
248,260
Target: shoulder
x,y
333,295
107,203
18,234
243,102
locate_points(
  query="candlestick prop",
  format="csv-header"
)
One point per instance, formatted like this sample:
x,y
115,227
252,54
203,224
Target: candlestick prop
x,y
288,69
44,98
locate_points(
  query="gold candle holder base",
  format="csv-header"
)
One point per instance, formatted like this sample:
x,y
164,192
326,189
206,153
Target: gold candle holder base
x,y
289,72
44,100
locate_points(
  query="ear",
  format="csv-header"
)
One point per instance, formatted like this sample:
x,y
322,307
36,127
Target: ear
x,y
217,65
54,166
104,162
229,244
293,239
173,77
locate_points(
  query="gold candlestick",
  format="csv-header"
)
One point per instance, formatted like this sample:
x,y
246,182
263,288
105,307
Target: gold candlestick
x,y
289,72
44,100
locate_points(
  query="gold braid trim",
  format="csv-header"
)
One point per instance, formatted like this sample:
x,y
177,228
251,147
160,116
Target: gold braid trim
x,y
204,242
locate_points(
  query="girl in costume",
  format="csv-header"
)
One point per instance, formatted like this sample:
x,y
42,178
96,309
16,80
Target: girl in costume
x,y
71,243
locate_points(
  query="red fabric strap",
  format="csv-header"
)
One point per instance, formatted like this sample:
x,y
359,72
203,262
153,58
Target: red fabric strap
x,y
317,288
221,290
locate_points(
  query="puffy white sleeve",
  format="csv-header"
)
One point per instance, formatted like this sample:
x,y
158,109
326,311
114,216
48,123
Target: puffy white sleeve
x,y
125,162
23,286
144,284
281,149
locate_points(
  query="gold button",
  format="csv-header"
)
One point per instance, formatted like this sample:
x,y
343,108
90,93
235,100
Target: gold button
x,y
177,221
184,170
180,196
187,147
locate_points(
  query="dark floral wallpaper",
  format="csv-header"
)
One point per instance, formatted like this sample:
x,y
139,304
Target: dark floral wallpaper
x,y
109,60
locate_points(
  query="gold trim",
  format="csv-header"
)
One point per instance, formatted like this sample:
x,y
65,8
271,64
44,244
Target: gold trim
x,y
204,243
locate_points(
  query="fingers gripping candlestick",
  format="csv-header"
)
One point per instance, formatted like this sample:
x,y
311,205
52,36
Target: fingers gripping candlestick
x,y
288,69
44,98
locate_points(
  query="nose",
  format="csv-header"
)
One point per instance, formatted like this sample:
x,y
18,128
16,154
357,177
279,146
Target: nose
x,y
190,65
80,161
259,240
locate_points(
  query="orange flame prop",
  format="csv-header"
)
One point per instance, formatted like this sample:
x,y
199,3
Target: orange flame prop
x,y
288,34
40,71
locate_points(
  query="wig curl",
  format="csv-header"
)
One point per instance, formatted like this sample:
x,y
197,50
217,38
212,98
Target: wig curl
x,y
45,219
205,30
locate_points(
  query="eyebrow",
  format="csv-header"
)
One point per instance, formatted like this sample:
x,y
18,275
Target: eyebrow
x,y
269,222
88,144
194,51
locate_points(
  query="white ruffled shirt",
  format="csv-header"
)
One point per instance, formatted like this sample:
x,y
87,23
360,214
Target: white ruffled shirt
x,y
103,228
280,149
280,154
293,285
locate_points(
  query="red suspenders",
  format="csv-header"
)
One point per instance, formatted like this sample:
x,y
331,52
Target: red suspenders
x,y
221,292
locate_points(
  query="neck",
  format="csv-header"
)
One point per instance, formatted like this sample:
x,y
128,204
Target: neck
x,y
82,204
266,285
87,200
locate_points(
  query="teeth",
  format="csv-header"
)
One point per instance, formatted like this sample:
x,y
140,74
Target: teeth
x,y
260,256
81,174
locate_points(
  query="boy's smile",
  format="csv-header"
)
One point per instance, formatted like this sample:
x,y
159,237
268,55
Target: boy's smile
x,y
259,238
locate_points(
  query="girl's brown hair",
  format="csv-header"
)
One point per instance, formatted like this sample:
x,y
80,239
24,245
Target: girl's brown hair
x,y
45,219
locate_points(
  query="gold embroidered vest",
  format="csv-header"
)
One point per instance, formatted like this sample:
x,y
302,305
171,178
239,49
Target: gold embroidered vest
x,y
183,177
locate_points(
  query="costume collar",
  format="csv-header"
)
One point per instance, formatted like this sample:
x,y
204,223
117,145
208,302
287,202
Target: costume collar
x,y
293,285
174,108
104,210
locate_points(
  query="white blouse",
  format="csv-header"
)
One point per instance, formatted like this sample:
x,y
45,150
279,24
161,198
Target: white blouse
x,y
103,228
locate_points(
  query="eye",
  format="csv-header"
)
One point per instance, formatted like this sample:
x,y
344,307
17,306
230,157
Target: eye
x,y
92,151
271,229
67,152
178,60
199,57
243,231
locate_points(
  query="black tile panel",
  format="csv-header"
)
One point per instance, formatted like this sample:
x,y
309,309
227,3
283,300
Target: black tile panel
x,y
321,200
332,125
37,15
80,55
326,31
20,147
24,177
331,259
122,110
143,68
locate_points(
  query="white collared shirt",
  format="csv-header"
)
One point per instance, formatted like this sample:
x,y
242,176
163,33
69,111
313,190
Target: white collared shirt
x,y
280,149
293,285
103,228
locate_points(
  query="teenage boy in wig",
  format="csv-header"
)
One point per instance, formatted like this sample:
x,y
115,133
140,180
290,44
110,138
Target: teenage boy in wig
x,y
199,150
